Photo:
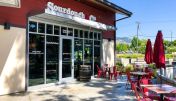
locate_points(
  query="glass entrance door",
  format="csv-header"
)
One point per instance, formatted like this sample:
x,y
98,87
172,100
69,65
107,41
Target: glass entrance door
x,y
66,58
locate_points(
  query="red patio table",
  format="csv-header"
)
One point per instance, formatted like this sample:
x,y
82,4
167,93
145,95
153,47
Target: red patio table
x,y
139,74
160,89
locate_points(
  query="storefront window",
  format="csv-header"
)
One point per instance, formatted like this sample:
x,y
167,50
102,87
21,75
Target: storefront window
x,y
99,36
86,35
81,34
91,35
70,31
52,59
32,26
36,59
44,52
76,33
97,54
78,55
56,30
41,28
88,53
49,29
95,36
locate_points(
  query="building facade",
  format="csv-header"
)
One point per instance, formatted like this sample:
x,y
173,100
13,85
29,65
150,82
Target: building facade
x,y
43,41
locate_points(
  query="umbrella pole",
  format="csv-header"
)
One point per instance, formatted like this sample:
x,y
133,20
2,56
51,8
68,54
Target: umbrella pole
x,y
160,76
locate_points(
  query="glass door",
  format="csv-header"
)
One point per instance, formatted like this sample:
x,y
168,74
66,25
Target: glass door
x,y
66,57
52,59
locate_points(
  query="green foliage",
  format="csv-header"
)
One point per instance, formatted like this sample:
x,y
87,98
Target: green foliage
x,y
154,69
174,43
121,47
152,65
169,56
134,42
130,55
129,68
142,49
119,66
171,49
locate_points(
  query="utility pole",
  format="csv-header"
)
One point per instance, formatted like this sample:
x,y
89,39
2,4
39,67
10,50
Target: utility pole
x,y
171,36
138,23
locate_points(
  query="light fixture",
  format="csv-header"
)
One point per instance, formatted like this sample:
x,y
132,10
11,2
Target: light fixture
x,y
7,26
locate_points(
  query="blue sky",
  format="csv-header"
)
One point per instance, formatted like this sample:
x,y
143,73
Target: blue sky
x,y
153,15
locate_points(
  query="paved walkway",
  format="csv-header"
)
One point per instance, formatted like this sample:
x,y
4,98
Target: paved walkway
x,y
96,90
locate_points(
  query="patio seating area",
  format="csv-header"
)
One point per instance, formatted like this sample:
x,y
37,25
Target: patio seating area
x,y
97,89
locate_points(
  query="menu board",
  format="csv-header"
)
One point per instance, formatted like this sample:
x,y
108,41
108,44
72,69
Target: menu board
x,y
10,3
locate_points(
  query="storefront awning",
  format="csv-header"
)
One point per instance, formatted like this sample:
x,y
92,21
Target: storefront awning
x,y
75,20
93,24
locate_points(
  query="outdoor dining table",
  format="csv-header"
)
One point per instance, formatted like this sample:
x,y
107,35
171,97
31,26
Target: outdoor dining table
x,y
160,89
139,74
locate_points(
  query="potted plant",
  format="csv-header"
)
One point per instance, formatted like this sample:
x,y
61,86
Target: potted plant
x,y
129,68
119,66
152,66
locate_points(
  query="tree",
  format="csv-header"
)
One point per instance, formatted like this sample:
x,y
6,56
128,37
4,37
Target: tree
x,y
171,49
142,46
167,43
133,45
174,42
122,47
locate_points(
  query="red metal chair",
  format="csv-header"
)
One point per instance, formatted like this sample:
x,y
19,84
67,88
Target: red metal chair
x,y
139,98
145,91
105,70
100,71
130,80
114,73
167,98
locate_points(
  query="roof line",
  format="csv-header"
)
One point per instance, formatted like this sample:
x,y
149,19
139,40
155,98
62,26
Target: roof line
x,y
116,7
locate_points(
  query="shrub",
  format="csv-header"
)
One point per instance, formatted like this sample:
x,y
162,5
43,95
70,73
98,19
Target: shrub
x,y
119,66
130,55
129,68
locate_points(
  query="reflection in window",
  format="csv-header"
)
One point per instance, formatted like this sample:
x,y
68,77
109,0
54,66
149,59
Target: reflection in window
x,y
88,53
52,62
36,59
52,39
36,43
56,30
49,29
76,32
70,31
66,58
81,34
95,36
78,55
86,34
97,59
99,36
32,26
41,27
63,31
91,35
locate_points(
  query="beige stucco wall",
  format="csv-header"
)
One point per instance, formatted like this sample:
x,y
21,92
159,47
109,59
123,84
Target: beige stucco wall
x,y
107,52
12,60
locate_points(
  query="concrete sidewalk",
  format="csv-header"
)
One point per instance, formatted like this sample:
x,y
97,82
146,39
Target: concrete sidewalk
x,y
96,90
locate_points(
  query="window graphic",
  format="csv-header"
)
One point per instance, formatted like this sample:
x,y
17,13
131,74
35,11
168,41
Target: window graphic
x,y
10,3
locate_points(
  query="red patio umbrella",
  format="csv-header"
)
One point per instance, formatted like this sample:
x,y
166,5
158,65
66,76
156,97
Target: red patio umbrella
x,y
159,55
148,52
